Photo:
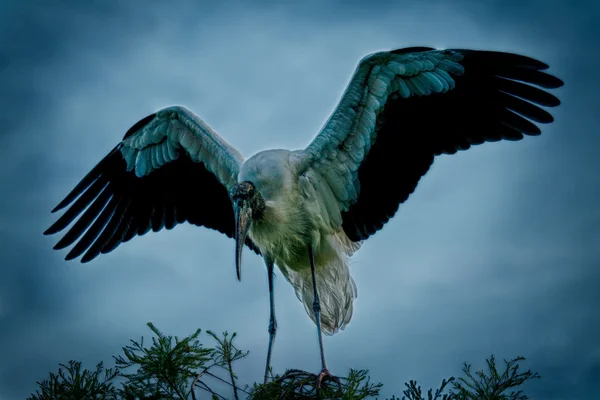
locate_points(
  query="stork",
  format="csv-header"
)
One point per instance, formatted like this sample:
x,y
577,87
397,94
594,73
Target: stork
x,y
307,211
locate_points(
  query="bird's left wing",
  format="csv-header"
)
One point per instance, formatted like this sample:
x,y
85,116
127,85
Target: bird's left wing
x,y
402,108
170,168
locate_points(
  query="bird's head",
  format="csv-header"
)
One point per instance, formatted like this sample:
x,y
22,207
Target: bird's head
x,y
248,205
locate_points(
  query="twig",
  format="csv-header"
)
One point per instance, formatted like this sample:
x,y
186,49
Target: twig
x,y
174,387
197,379
230,369
208,389
224,381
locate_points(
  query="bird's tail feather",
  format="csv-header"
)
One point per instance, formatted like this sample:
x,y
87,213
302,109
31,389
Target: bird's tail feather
x,y
336,289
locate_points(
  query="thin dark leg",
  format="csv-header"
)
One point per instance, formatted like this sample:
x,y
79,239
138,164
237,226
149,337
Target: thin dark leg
x,y
316,304
272,321
317,309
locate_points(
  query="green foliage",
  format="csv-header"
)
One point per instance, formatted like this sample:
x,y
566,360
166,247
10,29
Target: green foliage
x,y
413,391
225,354
72,383
482,386
172,368
494,385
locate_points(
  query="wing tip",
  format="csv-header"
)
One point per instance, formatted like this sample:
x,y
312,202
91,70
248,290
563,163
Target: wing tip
x,y
552,101
73,254
60,206
556,82
87,258
519,61
59,246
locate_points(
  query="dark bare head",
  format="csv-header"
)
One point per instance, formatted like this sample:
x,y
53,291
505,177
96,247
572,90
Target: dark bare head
x,y
248,205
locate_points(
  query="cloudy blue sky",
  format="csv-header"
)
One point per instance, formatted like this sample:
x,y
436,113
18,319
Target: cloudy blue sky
x,y
496,252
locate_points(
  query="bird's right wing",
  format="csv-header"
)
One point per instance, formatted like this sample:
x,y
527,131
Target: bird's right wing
x,y
170,167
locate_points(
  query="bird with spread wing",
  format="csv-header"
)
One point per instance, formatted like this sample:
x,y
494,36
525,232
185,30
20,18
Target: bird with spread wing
x,y
307,211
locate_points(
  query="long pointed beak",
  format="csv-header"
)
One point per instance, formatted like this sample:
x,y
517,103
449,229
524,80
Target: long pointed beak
x,y
243,219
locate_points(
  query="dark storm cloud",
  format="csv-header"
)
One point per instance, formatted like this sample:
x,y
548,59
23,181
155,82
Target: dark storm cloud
x,y
495,252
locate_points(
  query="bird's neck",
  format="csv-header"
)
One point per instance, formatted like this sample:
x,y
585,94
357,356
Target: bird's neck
x,y
283,232
277,212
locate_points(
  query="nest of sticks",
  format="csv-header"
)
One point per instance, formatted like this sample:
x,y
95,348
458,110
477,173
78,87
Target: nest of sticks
x,y
296,384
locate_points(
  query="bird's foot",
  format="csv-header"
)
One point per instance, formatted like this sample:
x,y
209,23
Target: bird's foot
x,y
326,374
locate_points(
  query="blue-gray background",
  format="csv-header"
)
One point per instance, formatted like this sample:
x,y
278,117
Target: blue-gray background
x,y
496,252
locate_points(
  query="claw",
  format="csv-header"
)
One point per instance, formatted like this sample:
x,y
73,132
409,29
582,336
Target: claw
x,y
325,373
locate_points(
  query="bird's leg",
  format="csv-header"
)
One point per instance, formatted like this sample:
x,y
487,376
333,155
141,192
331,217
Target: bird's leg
x,y
272,321
316,304
317,309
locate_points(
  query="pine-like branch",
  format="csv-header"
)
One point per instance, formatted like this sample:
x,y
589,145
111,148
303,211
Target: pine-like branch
x,y
172,368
